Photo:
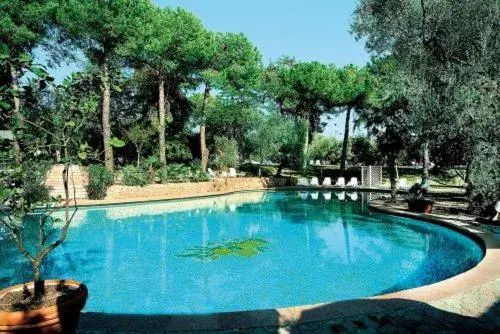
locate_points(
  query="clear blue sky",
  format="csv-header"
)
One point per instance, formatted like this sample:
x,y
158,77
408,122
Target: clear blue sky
x,y
306,30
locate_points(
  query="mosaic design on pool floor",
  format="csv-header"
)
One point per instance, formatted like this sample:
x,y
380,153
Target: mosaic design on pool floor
x,y
241,247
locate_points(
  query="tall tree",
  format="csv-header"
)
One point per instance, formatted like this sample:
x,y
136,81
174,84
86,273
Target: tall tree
x,y
354,89
447,52
305,90
23,26
232,64
99,28
170,44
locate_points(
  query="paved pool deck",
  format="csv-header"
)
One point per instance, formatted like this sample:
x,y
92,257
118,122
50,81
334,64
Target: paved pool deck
x,y
466,303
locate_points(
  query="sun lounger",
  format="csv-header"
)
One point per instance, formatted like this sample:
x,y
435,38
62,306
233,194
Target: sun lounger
x,y
340,182
302,182
314,181
327,181
353,182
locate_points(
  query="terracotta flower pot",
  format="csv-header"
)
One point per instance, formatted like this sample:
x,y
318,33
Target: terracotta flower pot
x,y
420,205
60,318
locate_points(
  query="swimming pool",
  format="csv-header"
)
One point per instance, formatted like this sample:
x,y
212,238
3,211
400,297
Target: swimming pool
x,y
248,250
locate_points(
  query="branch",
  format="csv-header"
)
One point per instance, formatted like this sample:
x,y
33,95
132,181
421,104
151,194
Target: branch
x,y
68,218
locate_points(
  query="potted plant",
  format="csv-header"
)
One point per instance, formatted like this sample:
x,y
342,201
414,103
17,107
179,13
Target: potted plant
x,y
417,200
39,306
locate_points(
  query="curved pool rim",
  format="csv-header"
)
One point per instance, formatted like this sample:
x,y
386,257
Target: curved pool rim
x,y
486,271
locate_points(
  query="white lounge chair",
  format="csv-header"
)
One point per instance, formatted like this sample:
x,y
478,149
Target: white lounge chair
x,y
210,173
402,184
327,196
302,182
232,172
311,162
341,195
314,181
223,174
303,194
353,182
353,196
327,181
340,182
315,195
317,163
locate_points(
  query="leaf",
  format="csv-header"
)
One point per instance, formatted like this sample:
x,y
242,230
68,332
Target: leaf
x,y
5,105
82,155
117,89
4,51
38,71
25,58
71,124
115,142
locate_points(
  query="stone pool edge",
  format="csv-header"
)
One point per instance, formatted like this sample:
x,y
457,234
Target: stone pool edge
x,y
486,271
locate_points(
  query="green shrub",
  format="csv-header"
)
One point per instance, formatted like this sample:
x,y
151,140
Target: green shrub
x,y
134,176
177,151
174,173
99,180
484,180
226,153
198,175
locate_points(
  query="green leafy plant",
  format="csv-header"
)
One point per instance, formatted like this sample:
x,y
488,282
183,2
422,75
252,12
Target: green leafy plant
x,y
226,153
174,173
99,180
133,176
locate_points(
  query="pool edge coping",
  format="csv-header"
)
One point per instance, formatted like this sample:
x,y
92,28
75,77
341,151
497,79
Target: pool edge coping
x,y
486,271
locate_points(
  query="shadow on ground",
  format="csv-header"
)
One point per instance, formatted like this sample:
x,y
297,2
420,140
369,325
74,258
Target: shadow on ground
x,y
356,316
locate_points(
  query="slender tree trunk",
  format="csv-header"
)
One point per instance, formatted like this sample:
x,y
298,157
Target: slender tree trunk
x,y
203,129
161,119
426,165
280,167
343,157
305,149
16,114
138,156
392,176
105,114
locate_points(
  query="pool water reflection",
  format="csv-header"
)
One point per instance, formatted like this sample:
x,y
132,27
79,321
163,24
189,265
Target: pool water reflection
x,y
249,250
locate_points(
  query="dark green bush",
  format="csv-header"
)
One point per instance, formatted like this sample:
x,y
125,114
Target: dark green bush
x,y
99,180
134,176
174,173
181,173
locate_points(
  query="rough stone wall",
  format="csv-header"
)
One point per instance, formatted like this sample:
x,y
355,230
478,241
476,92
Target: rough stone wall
x,y
171,190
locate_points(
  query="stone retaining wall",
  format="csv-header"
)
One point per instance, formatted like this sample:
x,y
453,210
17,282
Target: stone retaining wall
x,y
171,190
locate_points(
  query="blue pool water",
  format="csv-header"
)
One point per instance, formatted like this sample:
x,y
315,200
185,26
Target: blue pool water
x,y
249,250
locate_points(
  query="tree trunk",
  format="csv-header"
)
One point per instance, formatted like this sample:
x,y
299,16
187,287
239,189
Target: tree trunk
x,y
106,127
305,150
425,169
203,129
392,176
343,157
138,156
161,119
16,114
280,167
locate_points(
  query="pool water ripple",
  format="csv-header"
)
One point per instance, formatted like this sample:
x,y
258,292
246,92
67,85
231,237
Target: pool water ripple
x,y
252,250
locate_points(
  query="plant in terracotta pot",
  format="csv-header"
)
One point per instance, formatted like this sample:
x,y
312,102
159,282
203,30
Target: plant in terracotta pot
x,y
40,306
417,199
